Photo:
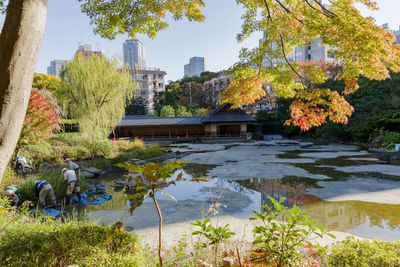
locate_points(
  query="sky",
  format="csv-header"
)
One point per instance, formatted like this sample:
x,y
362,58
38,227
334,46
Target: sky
x,y
214,39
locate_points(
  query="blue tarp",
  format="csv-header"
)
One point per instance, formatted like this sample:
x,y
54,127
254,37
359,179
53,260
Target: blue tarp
x,y
50,212
48,165
96,185
99,199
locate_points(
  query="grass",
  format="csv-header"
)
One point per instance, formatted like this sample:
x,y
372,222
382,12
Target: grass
x,y
26,184
124,153
40,241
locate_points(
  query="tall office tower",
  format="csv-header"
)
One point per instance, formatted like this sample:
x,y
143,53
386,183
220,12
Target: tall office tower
x,y
186,71
56,67
134,53
196,66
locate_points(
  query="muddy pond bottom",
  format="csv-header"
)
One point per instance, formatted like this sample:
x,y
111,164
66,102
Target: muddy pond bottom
x,y
343,187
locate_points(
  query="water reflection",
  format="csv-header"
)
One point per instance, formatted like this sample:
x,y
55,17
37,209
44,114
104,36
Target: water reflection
x,y
362,218
239,198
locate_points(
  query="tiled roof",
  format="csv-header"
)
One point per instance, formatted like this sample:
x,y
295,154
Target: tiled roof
x,y
234,115
155,121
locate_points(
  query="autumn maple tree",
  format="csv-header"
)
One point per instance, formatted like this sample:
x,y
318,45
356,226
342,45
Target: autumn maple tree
x,y
357,43
40,119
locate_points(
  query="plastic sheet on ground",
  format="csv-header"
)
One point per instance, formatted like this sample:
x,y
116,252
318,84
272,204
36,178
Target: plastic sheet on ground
x,y
50,212
100,199
96,185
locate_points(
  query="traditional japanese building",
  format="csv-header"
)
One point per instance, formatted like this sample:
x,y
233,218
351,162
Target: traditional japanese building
x,y
224,121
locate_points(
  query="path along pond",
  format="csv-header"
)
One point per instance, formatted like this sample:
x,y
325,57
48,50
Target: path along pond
x,y
343,187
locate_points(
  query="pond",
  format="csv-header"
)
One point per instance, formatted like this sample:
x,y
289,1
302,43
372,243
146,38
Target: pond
x,y
343,187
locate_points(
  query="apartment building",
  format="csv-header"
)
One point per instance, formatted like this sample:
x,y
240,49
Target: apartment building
x,y
150,81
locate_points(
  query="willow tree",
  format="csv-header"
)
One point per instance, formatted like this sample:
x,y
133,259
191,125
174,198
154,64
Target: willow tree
x,y
95,90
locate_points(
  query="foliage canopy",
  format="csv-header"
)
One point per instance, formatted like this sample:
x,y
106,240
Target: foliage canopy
x,y
95,91
357,42
40,120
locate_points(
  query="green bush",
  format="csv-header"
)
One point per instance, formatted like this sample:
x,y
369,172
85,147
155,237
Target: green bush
x,y
28,241
352,252
101,147
38,153
76,152
391,137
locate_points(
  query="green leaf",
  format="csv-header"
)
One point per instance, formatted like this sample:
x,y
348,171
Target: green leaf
x,y
169,195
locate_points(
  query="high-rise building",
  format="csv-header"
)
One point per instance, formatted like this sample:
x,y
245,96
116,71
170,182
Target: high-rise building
x,y
196,66
134,53
186,71
314,51
56,67
86,50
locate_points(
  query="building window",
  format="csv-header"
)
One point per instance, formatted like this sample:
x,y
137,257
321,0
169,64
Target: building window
x,y
160,76
160,85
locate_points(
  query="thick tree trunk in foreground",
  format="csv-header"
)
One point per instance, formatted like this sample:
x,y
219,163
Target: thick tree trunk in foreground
x,y
20,41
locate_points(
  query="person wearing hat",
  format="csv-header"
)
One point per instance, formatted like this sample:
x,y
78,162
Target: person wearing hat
x,y
42,190
12,193
75,167
73,184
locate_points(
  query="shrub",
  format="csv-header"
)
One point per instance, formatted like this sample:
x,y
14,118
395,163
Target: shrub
x,y
101,147
38,153
352,252
28,241
279,242
391,137
124,146
76,152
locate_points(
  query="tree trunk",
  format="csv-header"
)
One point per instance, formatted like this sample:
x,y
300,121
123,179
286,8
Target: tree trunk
x,y
159,228
20,41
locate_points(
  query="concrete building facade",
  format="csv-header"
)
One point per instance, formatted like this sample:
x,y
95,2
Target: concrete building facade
x,y
134,54
196,66
86,50
56,67
150,81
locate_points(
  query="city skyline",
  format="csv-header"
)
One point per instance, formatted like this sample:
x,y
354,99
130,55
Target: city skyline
x,y
66,26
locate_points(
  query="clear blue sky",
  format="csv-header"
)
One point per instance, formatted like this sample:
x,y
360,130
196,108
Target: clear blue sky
x,y
172,48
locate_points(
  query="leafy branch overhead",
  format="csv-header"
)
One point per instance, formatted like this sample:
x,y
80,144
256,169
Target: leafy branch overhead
x,y
356,42
140,16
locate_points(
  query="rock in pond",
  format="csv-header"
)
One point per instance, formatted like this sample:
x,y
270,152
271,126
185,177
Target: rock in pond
x,y
93,170
136,161
377,142
87,174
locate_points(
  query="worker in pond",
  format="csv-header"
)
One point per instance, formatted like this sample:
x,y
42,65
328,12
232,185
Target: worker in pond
x,y
42,190
12,193
73,184
249,137
75,167
21,165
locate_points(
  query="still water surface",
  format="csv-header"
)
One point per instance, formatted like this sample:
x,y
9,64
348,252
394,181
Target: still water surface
x,y
343,187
